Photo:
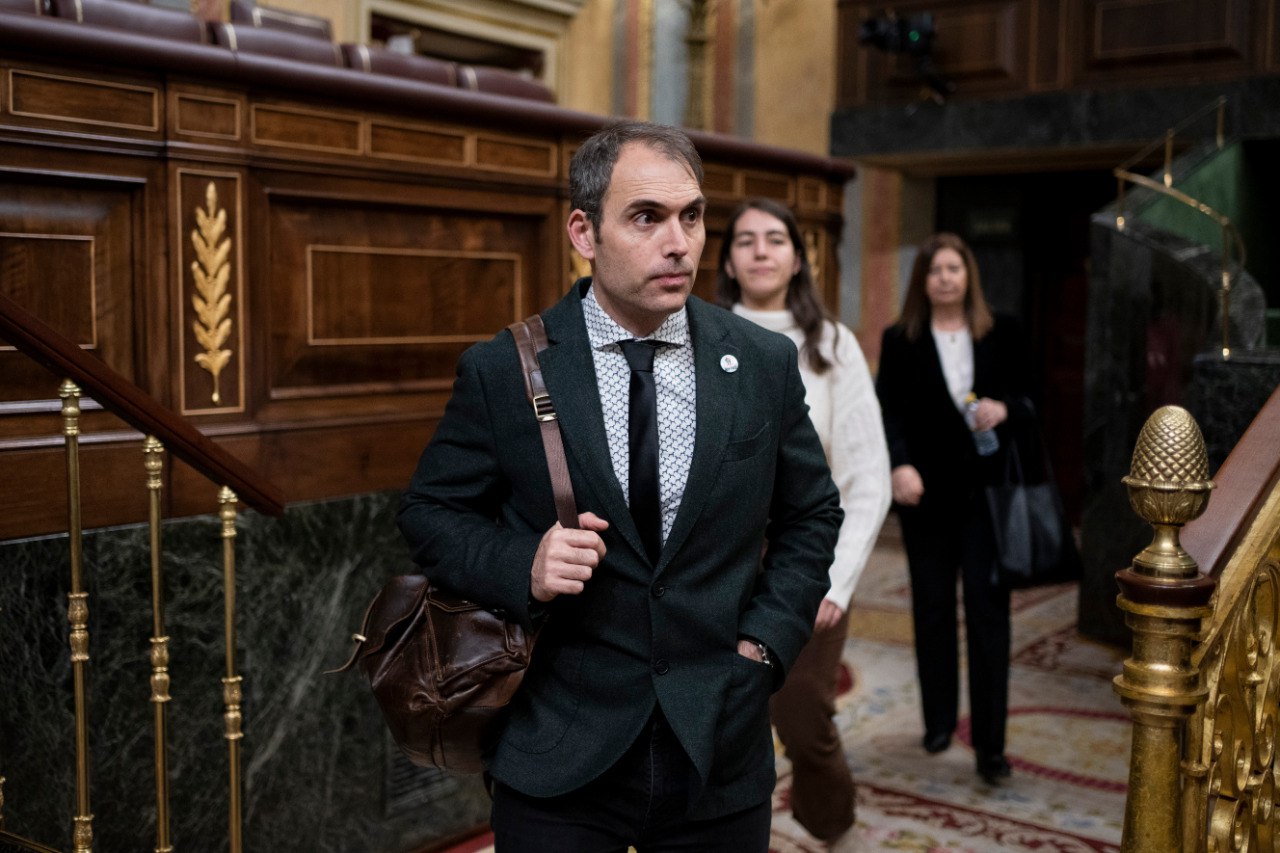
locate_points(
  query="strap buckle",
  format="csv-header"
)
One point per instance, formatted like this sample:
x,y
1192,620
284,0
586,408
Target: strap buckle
x,y
543,410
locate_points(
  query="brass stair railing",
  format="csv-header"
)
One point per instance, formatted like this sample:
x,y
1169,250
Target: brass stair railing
x,y
1230,235
237,483
1203,685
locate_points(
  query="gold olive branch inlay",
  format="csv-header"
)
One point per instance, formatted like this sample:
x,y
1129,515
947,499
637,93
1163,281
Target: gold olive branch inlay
x,y
211,300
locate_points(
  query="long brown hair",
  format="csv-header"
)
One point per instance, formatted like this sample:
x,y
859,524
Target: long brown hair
x,y
802,296
916,310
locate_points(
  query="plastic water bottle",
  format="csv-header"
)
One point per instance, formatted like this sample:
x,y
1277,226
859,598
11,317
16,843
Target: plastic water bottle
x,y
984,440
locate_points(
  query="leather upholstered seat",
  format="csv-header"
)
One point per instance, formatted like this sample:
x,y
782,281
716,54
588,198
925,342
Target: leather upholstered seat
x,y
135,17
377,60
500,81
279,43
34,7
247,12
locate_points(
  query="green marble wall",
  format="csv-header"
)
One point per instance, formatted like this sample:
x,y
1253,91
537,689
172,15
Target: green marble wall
x,y
319,773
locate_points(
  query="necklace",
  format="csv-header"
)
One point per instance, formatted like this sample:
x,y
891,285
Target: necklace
x,y
952,335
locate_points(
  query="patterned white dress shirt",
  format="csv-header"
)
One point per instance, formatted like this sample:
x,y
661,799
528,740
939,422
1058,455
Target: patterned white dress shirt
x,y
675,383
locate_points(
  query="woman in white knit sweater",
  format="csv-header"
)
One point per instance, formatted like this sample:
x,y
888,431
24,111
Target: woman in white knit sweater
x,y
764,276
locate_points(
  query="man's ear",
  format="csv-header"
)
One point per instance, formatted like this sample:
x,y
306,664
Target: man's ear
x,y
728,269
582,234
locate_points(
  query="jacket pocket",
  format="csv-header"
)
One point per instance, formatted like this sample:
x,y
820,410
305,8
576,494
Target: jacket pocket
x,y
744,742
748,447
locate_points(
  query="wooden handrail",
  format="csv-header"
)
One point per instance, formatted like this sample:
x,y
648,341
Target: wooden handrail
x,y
1243,482
122,398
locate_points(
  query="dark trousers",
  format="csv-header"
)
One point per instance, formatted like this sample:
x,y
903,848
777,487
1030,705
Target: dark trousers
x,y
822,790
941,541
641,801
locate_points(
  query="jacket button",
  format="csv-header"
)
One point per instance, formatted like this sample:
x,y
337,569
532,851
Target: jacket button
x,y
661,667
659,590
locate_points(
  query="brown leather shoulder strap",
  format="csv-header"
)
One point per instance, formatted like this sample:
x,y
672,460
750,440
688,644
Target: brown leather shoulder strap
x,y
531,338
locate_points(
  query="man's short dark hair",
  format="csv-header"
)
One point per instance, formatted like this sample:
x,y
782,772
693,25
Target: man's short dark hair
x,y
592,166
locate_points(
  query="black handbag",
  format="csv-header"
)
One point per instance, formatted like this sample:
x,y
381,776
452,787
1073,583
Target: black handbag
x,y
443,668
1034,543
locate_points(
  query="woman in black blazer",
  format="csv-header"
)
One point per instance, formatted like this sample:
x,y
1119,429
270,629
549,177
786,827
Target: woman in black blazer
x,y
945,346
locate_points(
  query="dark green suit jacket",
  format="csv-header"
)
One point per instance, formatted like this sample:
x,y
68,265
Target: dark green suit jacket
x,y
639,634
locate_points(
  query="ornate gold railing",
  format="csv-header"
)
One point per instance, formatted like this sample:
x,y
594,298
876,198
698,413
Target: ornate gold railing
x,y
127,401
1230,235
1202,684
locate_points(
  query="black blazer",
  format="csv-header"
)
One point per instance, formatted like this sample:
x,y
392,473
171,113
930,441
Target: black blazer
x,y
921,422
640,633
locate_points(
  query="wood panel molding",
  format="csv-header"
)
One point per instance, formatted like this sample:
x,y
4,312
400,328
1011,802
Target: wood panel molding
x,y
1011,47
407,296
83,100
206,116
71,307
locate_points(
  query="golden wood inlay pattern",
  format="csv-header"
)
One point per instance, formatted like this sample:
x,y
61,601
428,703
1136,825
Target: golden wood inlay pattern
x,y
36,94
407,296
201,115
212,301
813,245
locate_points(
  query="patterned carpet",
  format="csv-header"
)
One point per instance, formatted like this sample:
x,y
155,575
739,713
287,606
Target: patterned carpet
x,y
1068,737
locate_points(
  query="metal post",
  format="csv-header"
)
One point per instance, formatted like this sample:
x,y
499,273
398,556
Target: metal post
x,y
231,684
77,616
1164,597
152,451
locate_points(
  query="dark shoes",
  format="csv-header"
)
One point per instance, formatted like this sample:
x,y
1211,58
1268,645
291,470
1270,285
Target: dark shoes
x,y
993,768
938,742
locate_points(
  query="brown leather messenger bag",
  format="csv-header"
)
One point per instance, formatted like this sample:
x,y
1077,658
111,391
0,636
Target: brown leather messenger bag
x,y
443,668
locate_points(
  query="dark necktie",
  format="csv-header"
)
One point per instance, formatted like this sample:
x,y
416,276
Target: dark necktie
x,y
643,439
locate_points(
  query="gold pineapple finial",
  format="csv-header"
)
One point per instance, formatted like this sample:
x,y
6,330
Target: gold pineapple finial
x,y
1168,485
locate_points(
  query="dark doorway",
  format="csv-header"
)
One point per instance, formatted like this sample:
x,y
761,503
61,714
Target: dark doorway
x,y
1030,234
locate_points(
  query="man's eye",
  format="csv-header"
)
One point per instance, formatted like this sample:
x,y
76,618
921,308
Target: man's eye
x,y
644,218
692,216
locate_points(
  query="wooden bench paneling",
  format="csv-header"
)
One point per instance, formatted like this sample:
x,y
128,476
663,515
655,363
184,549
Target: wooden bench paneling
x,y
316,257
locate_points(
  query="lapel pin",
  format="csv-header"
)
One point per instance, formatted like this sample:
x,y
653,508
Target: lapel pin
x,y
728,364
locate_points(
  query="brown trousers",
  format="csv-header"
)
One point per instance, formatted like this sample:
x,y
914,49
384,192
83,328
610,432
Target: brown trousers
x,y
822,792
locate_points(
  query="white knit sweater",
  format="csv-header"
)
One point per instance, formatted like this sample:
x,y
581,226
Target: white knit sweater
x,y
845,412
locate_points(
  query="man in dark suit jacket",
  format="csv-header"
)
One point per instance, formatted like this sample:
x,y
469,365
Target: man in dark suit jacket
x,y
643,719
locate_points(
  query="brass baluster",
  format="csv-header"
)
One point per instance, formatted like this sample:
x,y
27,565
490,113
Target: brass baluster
x,y
1168,158
153,461
1226,290
231,684
77,615
1120,201
1221,135
1164,597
